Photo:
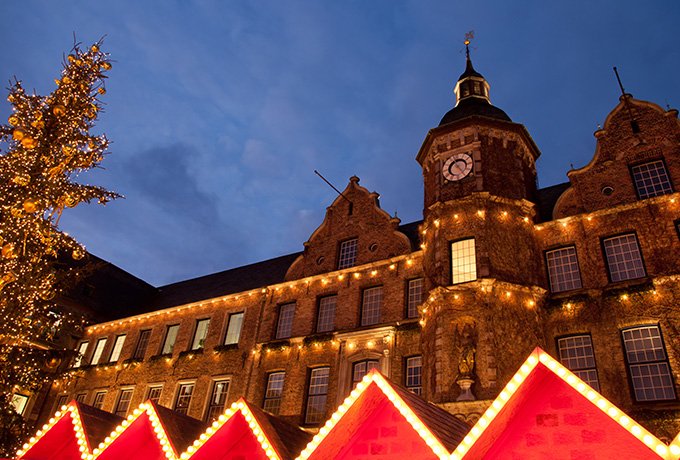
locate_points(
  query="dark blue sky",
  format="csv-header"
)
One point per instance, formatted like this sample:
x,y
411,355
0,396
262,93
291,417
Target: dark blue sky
x,y
219,111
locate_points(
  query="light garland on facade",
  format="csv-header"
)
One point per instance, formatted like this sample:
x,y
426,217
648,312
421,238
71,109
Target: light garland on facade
x,y
375,378
540,356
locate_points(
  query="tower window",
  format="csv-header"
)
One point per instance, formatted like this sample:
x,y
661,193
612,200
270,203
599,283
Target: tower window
x,y
414,297
347,256
317,393
563,270
463,261
272,395
576,353
200,334
648,365
326,319
123,403
284,326
184,394
413,375
651,179
623,257
371,306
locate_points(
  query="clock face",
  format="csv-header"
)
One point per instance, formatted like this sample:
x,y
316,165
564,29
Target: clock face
x,y
457,166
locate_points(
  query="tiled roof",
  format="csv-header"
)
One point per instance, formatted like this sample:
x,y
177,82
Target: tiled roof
x,y
181,429
286,437
97,424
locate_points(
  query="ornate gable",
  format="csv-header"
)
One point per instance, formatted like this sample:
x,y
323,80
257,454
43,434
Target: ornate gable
x,y
354,216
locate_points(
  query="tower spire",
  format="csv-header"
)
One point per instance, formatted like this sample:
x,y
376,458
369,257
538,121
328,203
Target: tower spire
x,y
471,84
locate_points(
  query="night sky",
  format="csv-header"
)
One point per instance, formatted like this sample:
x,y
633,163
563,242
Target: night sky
x,y
219,112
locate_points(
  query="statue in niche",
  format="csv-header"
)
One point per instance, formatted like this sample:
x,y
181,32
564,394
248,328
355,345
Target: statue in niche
x,y
466,363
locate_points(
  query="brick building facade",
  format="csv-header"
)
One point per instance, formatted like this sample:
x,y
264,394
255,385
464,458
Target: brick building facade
x,y
449,306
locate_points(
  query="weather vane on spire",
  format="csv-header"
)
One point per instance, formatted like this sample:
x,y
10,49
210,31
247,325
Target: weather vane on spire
x,y
468,37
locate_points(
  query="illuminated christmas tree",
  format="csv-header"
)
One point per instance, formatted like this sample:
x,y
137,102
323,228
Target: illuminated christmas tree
x,y
47,144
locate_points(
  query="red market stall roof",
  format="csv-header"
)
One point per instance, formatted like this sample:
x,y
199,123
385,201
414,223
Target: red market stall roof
x,y
151,432
70,433
675,448
245,431
545,411
381,420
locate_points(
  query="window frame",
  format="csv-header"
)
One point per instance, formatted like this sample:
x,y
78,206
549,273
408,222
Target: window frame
x,y
210,406
676,224
309,397
648,162
97,394
363,305
152,388
407,302
319,303
142,355
631,384
165,339
113,348
340,265
80,357
606,260
406,374
574,371
278,398
240,328
61,401
474,246
353,382
278,335
201,343
178,394
119,399
547,267
103,341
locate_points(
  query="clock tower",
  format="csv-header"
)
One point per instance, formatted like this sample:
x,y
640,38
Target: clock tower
x,y
480,260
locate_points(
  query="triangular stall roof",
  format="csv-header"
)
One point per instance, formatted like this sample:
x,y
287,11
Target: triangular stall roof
x,y
545,411
151,432
245,431
381,420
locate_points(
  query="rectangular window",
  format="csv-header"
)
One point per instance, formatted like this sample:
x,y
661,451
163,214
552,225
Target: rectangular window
x,y
218,399
284,326
361,368
155,393
82,349
200,334
234,328
326,318
414,297
414,372
117,348
651,179
648,365
563,270
20,402
99,399
317,392
272,395
123,403
142,344
677,227
81,397
98,350
463,261
576,353
62,400
170,338
184,393
371,306
347,256
623,257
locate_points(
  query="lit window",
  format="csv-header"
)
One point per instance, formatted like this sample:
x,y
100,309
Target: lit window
x,y
285,324
81,397
361,368
218,399
117,348
317,392
62,400
624,260
170,338
184,393
82,348
348,254
651,179
414,297
200,334
414,372
576,353
371,305
123,403
155,393
142,344
648,365
326,319
234,329
272,395
463,261
99,399
98,350
20,402
563,270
